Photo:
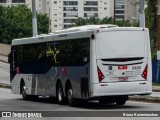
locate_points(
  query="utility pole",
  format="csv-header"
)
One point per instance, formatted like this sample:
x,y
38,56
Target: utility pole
x,y
158,29
49,22
114,20
158,42
34,18
142,14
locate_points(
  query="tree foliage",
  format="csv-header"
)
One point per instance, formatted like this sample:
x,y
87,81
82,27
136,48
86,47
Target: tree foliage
x,y
16,22
151,23
97,21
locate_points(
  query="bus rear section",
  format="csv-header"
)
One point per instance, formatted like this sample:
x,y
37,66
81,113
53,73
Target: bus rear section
x,y
123,64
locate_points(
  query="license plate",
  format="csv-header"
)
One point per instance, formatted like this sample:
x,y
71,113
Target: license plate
x,y
123,78
122,67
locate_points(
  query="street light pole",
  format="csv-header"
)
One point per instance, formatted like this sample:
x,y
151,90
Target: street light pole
x,y
142,14
158,42
158,29
114,20
34,18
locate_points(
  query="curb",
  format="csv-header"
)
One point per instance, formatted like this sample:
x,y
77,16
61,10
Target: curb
x,y
145,99
156,90
2,85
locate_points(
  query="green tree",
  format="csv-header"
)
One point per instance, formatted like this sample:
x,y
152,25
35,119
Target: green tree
x,y
151,23
42,23
16,22
93,20
122,23
97,21
107,20
79,22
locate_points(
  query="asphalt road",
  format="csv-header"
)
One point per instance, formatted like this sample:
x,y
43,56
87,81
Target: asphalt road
x,y
13,102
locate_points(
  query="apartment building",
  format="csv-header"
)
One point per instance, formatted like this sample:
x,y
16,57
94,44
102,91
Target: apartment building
x,y
62,13
42,6
132,10
11,2
126,10
119,9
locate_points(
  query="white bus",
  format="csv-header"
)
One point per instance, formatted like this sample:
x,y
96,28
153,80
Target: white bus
x,y
95,62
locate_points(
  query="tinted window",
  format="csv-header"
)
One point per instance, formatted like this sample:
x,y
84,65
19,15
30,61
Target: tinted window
x,y
39,58
69,52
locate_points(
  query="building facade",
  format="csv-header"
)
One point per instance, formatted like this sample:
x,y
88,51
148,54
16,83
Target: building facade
x,y
132,10
42,6
126,10
119,9
62,13
11,2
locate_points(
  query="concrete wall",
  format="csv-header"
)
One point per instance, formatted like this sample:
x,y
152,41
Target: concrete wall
x,y
4,51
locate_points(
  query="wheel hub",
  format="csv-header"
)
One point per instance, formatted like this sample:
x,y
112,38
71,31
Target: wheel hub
x,y
59,94
70,94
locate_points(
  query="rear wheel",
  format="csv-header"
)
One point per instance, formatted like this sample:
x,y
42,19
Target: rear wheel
x,y
105,101
60,95
122,100
71,100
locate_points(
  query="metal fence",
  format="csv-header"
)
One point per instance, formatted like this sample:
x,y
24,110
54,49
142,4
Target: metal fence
x,y
156,71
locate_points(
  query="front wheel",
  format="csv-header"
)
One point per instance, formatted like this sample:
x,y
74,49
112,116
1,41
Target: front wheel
x,y
24,95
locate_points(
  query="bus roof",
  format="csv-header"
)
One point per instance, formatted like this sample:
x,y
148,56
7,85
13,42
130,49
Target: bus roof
x,y
51,37
71,33
84,28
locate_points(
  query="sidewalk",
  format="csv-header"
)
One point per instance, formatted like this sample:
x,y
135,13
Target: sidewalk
x,y
153,98
156,88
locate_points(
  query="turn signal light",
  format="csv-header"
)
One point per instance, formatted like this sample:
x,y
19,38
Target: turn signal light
x,y
100,74
144,74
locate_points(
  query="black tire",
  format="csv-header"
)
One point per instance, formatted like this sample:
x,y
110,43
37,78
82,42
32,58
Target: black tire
x,y
101,101
33,97
71,101
60,94
53,99
120,102
24,95
105,101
